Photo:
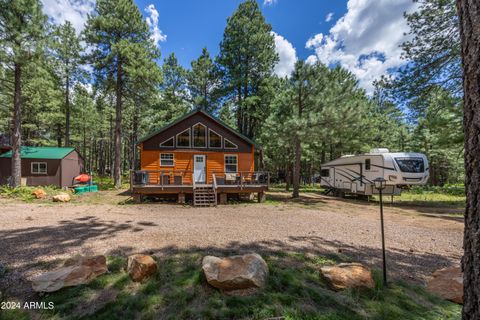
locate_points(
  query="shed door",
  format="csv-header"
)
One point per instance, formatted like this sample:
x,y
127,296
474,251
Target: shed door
x,y
199,166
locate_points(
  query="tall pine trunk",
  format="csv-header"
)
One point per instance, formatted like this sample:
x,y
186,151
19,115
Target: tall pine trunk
x,y
67,112
469,14
17,128
117,167
297,168
298,149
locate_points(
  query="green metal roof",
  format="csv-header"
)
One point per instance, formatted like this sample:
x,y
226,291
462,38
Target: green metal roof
x,y
40,153
185,116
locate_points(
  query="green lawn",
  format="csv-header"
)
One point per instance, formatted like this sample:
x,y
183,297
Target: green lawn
x,y
294,290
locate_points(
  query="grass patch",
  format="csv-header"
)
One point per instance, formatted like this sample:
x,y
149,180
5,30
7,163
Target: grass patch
x,y
107,183
25,193
294,290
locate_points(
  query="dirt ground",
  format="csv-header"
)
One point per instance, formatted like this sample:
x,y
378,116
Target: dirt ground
x,y
36,236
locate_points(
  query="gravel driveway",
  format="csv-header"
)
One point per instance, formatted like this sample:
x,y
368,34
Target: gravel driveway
x,y
419,240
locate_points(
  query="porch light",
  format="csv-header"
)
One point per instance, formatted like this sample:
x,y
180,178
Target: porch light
x,y
379,183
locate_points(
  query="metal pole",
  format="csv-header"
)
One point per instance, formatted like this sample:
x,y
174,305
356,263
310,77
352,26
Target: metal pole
x,y
383,240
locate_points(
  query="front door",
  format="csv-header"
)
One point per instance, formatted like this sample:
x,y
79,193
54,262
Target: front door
x,y
199,166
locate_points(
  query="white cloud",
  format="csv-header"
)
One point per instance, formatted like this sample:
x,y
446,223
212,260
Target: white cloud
x,y
74,11
269,2
366,39
329,17
287,54
152,21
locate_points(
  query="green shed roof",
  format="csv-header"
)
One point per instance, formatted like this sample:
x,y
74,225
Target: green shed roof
x,y
40,153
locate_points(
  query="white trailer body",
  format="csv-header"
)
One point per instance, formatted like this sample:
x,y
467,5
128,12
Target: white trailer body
x,y
355,173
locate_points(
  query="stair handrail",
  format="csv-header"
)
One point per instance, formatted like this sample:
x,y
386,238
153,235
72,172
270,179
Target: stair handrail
x,y
214,180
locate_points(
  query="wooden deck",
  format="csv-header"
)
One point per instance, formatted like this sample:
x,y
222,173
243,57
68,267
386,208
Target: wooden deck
x,y
243,183
172,189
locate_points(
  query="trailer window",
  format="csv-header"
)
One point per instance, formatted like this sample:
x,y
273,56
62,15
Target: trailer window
x,y
325,172
412,165
367,164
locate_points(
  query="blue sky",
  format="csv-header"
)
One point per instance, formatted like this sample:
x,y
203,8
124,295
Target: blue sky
x,y
363,36
191,25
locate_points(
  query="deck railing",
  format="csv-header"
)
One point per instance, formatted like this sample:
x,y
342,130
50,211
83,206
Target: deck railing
x,y
164,178
242,178
161,177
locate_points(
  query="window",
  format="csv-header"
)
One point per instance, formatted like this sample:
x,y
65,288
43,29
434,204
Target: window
x,y
166,160
325,172
412,165
199,136
167,143
214,139
39,168
230,145
367,164
231,163
183,139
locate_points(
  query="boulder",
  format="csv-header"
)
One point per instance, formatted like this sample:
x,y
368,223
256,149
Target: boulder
x,y
448,284
347,275
39,193
61,197
235,272
75,271
141,266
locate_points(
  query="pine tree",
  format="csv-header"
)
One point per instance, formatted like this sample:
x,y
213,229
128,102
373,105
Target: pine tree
x,y
204,83
433,51
247,58
173,102
67,52
469,13
22,29
124,57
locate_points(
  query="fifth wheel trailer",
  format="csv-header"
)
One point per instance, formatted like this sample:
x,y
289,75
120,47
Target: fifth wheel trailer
x,y
355,173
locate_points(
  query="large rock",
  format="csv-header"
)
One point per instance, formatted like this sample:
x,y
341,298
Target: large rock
x,y
39,193
448,284
141,266
235,272
347,275
75,271
61,197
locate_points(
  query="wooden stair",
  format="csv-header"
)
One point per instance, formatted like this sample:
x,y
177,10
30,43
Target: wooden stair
x,y
204,196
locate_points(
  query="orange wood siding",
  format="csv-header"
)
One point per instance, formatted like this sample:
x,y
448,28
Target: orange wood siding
x,y
183,160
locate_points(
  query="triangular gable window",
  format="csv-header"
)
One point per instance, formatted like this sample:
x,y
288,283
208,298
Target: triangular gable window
x,y
167,143
229,144
214,139
183,139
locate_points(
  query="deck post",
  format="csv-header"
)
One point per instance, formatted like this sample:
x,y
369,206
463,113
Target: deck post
x,y
223,198
261,196
137,198
181,198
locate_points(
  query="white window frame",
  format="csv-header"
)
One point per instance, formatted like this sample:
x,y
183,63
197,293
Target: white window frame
x,y
171,138
225,163
206,136
234,148
189,138
167,165
38,167
221,139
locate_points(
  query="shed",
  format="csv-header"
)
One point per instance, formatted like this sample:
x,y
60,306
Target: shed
x,y
43,166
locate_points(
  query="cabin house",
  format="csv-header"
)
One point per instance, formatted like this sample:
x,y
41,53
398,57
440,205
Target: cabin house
x,y
43,166
198,156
